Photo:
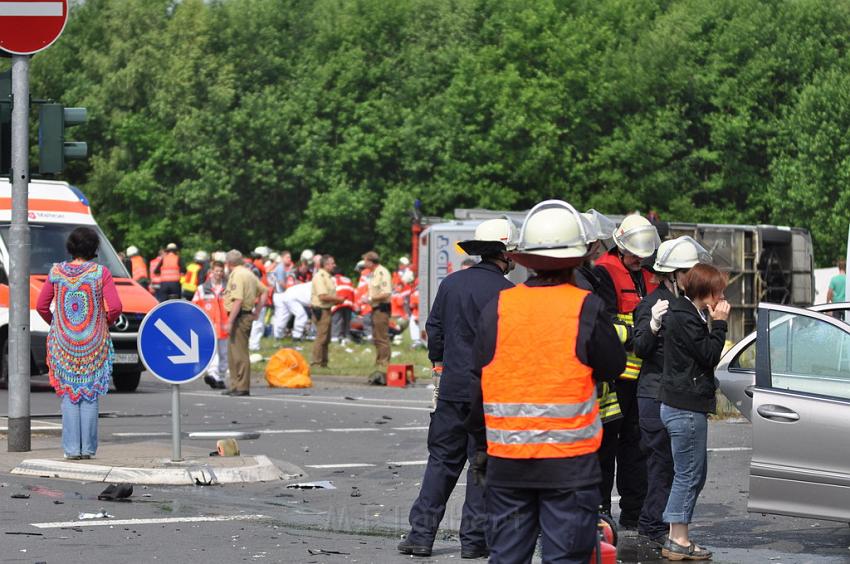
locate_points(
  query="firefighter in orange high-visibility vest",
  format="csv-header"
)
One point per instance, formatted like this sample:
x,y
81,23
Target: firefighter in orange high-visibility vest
x,y
540,349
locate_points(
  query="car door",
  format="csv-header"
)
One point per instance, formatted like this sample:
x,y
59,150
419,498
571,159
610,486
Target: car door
x,y
801,414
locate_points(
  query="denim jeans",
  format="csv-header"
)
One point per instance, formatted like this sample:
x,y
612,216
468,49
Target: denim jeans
x,y
688,432
79,426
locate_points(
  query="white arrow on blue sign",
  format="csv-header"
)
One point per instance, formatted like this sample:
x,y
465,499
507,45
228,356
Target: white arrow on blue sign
x,y
176,341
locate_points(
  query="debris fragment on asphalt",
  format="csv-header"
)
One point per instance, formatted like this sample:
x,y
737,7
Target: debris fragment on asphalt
x,y
102,514
320,551
24,533
386,417
20,496
355,491
116,492
320,485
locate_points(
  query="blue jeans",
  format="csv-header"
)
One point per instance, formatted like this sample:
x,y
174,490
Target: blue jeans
x,y
79,426
688,432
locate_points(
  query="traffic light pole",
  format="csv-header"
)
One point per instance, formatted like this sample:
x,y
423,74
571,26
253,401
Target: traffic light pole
x,y
19,267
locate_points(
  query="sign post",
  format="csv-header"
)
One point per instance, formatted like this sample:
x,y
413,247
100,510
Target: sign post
x,y
25,28
176,344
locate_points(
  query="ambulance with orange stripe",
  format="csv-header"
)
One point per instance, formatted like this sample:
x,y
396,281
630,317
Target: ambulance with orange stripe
x,y
56,209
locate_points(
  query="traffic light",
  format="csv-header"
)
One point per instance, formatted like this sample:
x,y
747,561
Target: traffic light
x,y
5,122
53,150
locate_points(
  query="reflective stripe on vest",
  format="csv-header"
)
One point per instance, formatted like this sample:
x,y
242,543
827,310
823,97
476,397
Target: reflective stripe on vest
x,y
169,271
539,398
190,281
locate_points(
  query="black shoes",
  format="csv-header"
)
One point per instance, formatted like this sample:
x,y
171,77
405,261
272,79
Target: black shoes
x,y
476,552
213,383
406,547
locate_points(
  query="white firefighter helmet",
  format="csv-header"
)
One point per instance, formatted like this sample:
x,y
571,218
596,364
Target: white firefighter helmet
x,y
600,227
132,251
408,277
680,253
219,256
274,257
202,256
172,247
553,236
636,235
307,255
404,261
491,236
262,251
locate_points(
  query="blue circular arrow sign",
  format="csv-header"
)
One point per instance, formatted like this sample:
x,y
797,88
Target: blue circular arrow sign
x,y
176,341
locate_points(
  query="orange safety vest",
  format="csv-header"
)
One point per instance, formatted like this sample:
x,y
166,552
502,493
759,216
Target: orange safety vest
x,y
169,271
344,290
539,398
140,269
628,299
414,303
211,299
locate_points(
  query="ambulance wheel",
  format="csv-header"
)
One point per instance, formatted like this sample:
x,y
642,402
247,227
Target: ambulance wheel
x,y
126,381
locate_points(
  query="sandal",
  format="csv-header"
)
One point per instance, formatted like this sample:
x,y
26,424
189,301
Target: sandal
x,y
675,551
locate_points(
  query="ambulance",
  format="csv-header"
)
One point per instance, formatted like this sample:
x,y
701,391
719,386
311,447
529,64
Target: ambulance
x,y
56,209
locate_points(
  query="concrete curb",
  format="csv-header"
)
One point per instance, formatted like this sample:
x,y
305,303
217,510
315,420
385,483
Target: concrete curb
x,y
188,473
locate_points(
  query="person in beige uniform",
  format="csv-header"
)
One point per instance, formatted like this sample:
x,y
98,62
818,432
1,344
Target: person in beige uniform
x,y
322,298
380,291
242,297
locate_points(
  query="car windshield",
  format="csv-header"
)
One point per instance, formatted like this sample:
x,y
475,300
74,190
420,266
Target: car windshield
x,y
48,247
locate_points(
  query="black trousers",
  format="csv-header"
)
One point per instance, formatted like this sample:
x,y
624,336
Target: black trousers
x,y
659,468
621,451
449,447
566,517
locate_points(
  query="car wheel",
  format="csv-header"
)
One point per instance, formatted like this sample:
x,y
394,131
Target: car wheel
x,y
126,381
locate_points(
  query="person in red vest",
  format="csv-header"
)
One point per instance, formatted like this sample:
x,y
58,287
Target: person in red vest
x,y
210,297
342,312
153,268
622,284
170,271
138,268
541,347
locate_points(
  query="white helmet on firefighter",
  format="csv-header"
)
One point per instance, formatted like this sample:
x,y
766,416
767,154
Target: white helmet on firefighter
x,y
680,253
491,236
404,261
636,235
262,251
307,255
219,256
553,236
201,256
132,251
601,227
408,277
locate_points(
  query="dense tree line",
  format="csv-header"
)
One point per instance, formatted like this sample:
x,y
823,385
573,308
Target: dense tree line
x,y
318,122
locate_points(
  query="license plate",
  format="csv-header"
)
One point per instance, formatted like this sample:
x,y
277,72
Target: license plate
x,y
126,358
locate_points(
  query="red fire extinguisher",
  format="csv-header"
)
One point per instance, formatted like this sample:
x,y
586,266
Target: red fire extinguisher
x,y
605,551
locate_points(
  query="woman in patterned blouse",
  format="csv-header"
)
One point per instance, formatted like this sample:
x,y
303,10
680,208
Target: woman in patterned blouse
x,y
79,349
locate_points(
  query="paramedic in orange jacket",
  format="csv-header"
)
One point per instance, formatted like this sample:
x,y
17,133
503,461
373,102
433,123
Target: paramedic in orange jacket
x,y
210,298
541,347
623,283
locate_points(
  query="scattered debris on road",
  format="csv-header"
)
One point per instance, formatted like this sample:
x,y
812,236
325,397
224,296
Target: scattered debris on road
x,y
321,485
102,514
20,496
116,492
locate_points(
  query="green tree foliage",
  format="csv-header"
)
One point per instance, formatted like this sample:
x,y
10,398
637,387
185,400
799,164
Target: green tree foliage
x,y
317,123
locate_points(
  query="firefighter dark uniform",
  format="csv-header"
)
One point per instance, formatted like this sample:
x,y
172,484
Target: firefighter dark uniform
x,y
539,349
451,330
622,290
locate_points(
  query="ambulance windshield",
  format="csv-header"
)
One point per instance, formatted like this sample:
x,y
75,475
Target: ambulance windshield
x,y
48,247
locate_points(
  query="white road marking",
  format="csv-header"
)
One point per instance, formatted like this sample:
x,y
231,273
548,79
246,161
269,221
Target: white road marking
x,y
31,9
361,398
307,401
409,428
729,449
286,431
349,465
409,463
158,521
353,430
151,434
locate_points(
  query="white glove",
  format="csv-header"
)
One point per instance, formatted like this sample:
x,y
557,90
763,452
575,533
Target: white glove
x,y
658,311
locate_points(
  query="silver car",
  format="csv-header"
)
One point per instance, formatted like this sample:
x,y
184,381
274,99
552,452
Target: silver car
x,y
791,379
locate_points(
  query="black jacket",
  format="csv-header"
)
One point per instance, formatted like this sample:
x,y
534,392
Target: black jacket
x,y
452,322
597,346
648,346
691,352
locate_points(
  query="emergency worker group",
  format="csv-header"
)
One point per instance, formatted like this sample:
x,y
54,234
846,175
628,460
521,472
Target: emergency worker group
x,y
596,370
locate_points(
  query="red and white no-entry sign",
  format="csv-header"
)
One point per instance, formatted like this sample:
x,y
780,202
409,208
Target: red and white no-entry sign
x,y
28,26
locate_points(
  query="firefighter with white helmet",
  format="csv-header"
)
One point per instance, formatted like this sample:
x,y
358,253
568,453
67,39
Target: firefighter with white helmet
x,y
450,328
196,274
539,349
138,267
623,283
673,258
